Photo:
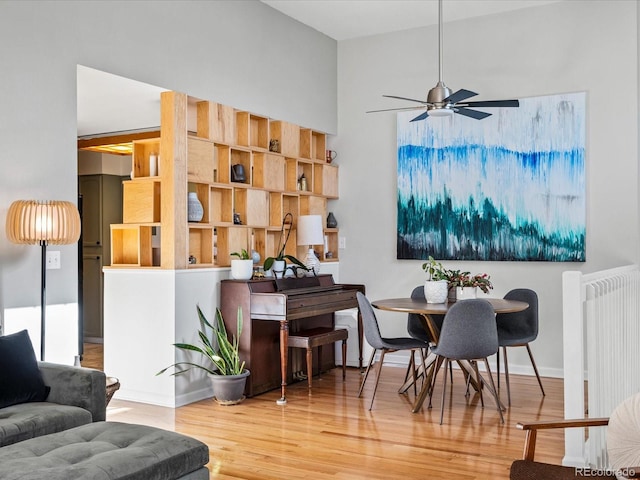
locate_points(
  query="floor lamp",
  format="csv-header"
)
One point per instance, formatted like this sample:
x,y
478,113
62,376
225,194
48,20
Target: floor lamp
x,y
34,222
309,232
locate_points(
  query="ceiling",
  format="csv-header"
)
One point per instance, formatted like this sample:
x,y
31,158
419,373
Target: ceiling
x,y
347,19
109,103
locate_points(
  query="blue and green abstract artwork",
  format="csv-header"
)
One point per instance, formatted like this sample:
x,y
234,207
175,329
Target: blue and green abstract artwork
x,y
510,187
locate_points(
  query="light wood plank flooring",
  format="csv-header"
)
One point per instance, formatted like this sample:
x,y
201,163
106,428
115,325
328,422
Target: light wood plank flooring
x,y
332,435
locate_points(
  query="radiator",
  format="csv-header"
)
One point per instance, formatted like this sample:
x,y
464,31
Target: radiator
x,y
601,333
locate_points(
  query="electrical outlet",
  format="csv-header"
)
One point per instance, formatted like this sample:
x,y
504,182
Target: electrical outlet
x,y
53,260
342,243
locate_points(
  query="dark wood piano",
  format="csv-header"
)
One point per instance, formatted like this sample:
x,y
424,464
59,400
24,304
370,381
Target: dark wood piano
x,y
271,307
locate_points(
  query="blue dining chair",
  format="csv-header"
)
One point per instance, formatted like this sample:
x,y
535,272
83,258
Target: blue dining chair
x,y
518,330
468,333
382,344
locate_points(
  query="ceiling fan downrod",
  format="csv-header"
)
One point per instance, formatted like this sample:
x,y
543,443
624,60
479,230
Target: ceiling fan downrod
x,y
437,94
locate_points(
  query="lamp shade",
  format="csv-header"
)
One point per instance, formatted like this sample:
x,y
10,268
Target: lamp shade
x,y
309,230
34,222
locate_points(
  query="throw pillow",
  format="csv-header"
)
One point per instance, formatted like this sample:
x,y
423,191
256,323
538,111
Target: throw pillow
x,y
20,377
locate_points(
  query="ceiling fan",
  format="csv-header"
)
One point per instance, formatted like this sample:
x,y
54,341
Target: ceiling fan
x,y
441,101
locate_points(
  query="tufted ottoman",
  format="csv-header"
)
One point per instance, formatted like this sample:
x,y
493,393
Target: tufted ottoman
x,y
106,451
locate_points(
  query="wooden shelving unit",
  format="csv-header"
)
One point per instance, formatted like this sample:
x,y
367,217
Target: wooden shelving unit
x,y
199,158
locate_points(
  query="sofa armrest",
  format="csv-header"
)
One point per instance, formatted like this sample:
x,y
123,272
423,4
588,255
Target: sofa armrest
x,y
77,386
532,429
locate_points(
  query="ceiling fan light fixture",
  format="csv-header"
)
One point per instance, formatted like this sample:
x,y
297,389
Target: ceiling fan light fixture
x,y
441,112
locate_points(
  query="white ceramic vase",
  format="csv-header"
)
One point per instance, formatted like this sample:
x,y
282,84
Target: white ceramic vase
x,y
436,291
241,269
195,211
466,293
278,268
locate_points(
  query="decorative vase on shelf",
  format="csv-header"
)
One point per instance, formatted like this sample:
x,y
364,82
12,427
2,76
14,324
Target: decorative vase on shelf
x,y
465,293
331,221
195,211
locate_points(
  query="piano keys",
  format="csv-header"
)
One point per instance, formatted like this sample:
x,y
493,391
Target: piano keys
x,y
271,307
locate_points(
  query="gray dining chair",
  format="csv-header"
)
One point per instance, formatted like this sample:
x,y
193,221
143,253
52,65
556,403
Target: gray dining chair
x,y
518,330
468,333
415,327
382,344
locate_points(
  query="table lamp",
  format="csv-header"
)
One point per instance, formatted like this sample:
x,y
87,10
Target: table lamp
x,y
309,232
34,222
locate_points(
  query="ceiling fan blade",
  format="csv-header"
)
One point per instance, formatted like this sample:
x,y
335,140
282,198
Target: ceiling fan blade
x,y
493,103
460,95
405,98
471,113
422,116
395,109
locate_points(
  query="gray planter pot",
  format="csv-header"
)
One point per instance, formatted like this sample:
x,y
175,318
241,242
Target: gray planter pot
x,y
229,389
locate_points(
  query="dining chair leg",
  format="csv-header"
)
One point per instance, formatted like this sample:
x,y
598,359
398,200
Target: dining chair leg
x,y
494,392
436,369
506,375
379,371
474,363
366,373
444,388
535,369
498,367
427,385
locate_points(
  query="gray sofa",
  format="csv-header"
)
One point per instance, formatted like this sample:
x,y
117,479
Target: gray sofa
x,y
66,437
77,397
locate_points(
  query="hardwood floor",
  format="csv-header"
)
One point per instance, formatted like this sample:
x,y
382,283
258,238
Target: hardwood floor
x,y
332,435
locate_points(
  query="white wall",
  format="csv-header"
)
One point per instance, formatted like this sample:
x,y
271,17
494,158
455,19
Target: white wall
x,y
242,54
563,47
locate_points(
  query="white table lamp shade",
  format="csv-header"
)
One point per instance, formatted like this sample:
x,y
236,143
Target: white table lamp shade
x,y
309,231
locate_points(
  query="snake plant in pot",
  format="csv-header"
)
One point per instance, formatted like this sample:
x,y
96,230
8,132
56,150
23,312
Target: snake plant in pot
x,y
221,356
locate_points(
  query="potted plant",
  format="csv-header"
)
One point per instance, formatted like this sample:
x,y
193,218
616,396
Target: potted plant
x,y
436,286
222,359
278,263
459,281
242,267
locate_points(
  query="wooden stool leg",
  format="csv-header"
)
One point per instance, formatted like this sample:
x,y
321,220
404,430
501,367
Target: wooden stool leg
x,y
309,366
344,360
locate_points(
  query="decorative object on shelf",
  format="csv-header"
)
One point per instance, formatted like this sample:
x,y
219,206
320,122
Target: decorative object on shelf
x,y
52,222
237,173
195,212
274,145
226,371
153,165
330,155
192,260
242,267
255,257
331,221
309,232
285,232
302,183
236,219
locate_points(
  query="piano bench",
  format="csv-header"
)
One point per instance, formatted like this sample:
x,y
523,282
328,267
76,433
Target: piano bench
x,y
317,337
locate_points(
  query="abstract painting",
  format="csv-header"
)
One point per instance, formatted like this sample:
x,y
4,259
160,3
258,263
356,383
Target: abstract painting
x,y
510,187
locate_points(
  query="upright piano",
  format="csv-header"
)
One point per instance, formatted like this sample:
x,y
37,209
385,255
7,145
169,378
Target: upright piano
x,y
271,308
